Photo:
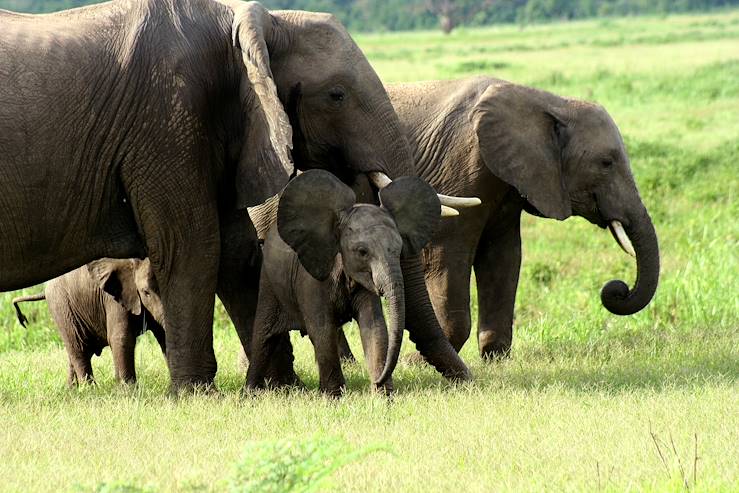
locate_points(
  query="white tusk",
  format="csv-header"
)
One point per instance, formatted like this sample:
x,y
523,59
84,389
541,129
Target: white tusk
x,y
448,211
617,230
379,179
459,201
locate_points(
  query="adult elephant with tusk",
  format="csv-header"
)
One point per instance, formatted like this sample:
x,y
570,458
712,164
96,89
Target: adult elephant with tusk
x,y
517,148
178,124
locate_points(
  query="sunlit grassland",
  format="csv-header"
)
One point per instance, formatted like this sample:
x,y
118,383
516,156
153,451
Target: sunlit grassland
x,y
589,401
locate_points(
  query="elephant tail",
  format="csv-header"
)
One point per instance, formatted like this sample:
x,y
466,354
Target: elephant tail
x,y
21,299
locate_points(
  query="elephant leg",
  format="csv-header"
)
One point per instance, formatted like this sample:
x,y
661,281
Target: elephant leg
x,y
81,363
497,266
175,206
188,298
238,290
423,326
324,339
71,374
345,351
122,341
449,290
268,330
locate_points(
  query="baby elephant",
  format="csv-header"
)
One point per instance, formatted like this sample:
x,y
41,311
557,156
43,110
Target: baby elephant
x,y
329,260
106,302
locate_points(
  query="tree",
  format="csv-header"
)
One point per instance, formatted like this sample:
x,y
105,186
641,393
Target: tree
x,y
452,13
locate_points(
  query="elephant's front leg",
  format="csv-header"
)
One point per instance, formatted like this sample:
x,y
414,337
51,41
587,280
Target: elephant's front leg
x,y
373,330
122,341
497,267
448,281
176,209
323,332
238,290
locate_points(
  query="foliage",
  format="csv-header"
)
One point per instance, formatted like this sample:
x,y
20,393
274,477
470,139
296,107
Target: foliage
x,y
395,15
288,466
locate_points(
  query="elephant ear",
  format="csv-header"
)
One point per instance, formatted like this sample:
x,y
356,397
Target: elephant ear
x,y
521,135
307,219
117,278
264,163
416,209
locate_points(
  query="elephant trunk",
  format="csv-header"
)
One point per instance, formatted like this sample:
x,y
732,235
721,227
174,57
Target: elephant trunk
x,y
423,326
391,286
615,295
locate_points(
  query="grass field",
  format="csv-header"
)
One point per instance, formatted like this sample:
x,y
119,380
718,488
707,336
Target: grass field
x,y
588,402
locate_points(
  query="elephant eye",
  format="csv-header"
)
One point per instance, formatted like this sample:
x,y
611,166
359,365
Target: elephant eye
x,y
607,163
362,251
337,94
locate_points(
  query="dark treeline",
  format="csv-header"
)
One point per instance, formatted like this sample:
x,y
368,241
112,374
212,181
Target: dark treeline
x,y
397,15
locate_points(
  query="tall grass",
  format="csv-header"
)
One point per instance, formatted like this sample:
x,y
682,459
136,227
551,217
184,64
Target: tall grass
x,y
588,401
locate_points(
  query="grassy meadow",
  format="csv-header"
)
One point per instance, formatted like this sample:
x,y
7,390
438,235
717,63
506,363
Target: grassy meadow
x,y
587,402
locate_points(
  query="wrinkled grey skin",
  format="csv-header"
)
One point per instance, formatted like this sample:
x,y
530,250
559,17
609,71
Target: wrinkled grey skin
x,y
149,126
108,302
517,149
330,262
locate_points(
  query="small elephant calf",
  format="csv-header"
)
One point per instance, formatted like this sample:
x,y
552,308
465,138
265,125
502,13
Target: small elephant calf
x,y
328,260
106,302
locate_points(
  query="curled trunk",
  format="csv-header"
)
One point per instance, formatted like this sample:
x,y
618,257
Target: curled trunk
x,y
616,295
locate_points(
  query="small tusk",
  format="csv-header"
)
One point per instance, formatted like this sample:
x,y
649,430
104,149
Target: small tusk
x,y
617,230
459,201
379,179
448,211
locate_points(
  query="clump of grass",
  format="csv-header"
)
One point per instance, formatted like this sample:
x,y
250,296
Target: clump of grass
x,y
479,66
287,466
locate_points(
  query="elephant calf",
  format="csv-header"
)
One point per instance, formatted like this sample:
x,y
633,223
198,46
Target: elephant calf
x,y
106,302
330,262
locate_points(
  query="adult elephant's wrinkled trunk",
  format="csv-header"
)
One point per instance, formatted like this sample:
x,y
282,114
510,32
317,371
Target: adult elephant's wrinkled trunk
x,y
424,328
615,295
390,284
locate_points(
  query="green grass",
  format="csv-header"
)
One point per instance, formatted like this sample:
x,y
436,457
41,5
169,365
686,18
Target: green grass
x,y
588,402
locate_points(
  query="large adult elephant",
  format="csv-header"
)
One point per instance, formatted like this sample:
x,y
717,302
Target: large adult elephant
x,y
145,128
517,148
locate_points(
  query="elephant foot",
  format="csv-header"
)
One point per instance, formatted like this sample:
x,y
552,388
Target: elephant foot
x,y
334,392
193,386
441,355
492,347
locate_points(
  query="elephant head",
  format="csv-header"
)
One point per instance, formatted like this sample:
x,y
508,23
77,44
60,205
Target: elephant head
x,y
369,238
566,157
312,90
131,283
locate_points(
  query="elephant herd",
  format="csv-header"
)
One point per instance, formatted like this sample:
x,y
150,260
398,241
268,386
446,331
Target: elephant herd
x,y
155,154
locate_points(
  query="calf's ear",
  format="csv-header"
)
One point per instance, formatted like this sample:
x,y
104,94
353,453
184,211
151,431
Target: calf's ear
x,y
308,215
117,278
